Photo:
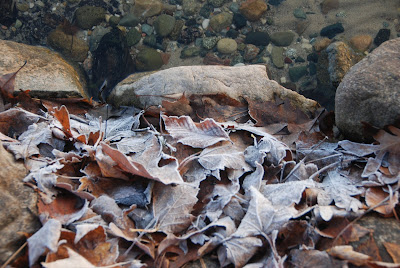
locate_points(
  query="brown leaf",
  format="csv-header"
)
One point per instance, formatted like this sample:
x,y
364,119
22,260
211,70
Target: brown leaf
x,y
370,248
393,250
347,253
375,195
313,258
7,83
15,121
197,135
74,260
178,107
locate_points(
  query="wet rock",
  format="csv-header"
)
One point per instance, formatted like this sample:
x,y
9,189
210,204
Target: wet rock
x,y
382,36
18,205
212,59
332,30
46,73
188,35
341,58
114,20
8,12
111,62
328,5
216,3
164,24
257,38
313,57
221,21
133,37
89,16
190,7
250,52
295,73
253,9
299,13
206,10
282,39
277,57
250,81
361,42
190,52
147,8
239,20
147,29
150,40
129,20
70,46
176,32
227,46
322,44
369,91
210,42
148,59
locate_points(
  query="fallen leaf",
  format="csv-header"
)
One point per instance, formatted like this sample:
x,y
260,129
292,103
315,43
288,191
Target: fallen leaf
x,y
393,250
347,253
313,258
197,135
74,260
7,83
238,250
376,195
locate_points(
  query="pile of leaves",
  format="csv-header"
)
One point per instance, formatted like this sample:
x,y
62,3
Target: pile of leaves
x,y
205,178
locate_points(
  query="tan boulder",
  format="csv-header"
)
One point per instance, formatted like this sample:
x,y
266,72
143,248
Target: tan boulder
x,y
253,9
46,73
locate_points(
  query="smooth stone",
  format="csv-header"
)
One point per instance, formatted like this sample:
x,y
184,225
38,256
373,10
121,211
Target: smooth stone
x,y
239,20
332,30
88,16
321,44
72,47
147,29
216,3
174,35
114,20
164,24
150,40
250,52
257,38
253,9
221,21
46,73
147,8
382,36
190,7
133,37
296,73
206,10
129,20
299,13
369,92
277,57
328,5
227,46
148,59
190,52
205,23
282,39
250,82
361,42
234,7
210,42
18,205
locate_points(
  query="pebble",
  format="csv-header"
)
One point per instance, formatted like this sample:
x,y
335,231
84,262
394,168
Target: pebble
x,y
250,52
257,38
277,57
332,30
296,73
148,59
205,23
212,59
227,46
299,13
190,52
147,29
321,44
133,37
210,42
216,3
291,53
221,21
129,20
164,24
382,36
282,39
328,5
361,42
89,16
239,20
253,9
190,7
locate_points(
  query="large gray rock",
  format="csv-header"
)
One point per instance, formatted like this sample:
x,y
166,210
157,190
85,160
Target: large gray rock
x,y
46,73
370,91
251,82
18,211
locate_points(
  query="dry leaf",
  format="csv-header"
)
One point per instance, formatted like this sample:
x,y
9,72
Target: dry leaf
x,y
376,195
393,250
238,250
347,253
74,260
197,135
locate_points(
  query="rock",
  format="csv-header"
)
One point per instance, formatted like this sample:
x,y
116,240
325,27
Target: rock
x,y
111,61
164,24
368,92
253,9
147,29
257,38
147,8
382,36
189,34
148,59
361,42
190,52
221,21
239,20
129,20
176,32
46,73
211,59
332,30
133,37
299,13
206,10
216,3
322,44
18,205
88,16
282,39
96,36
151,41
190,7
328,5
70,46
250,81
227,46
295,73
114,20
210,42
277,57
341,57
250,52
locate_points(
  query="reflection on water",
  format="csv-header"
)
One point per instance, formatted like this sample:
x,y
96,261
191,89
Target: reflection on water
x,y
110,39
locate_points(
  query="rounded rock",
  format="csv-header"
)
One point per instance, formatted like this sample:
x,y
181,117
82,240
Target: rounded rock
x,y
361,42
221,21
148,59
133,37
89,16
164,24
253,9
282,39
227,46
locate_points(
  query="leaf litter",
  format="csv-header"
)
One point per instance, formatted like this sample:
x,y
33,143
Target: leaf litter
x,y
118,191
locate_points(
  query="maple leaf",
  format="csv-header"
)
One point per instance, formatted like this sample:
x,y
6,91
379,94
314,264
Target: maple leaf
x,y
197,135
46,238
